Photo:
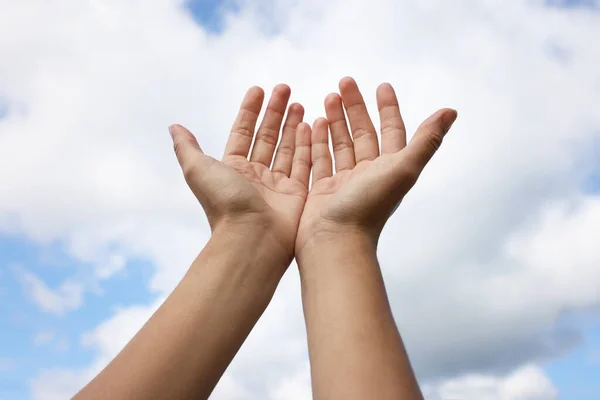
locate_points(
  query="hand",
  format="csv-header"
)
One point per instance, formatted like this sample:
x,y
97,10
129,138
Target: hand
x,y
267,199
367,186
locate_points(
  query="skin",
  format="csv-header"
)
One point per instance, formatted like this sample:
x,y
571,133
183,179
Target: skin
x,y
356,351
253,207
258,203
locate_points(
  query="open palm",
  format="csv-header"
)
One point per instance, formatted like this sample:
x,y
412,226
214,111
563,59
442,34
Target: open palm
x,y
367,185
250,189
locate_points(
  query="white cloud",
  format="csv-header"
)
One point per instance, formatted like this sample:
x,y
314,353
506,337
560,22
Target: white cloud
x,y
526,383
114,264
483,258
58,384
108,339
66,297
46,338
281,366
42,338
294,386
508,307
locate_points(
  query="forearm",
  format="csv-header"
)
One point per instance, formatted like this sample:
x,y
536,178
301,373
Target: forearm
x,y
185,347
355,349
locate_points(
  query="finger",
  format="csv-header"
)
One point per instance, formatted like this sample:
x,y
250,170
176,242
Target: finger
x,y
286,148
268,132
427,140
320,155
188,151
343,148
242,132
366,146
302,155
393,132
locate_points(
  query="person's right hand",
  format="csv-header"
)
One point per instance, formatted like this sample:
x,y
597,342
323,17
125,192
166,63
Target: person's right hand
x,y
367,186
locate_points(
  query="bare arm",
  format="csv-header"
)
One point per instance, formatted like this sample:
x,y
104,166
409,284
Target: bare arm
x,y
355,349
253,202
185,347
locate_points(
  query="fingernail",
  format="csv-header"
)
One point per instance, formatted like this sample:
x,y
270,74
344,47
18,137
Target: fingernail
x,y
448,119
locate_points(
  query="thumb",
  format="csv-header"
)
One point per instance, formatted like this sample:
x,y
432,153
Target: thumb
x,y
428,139
194,165
188,151
184,143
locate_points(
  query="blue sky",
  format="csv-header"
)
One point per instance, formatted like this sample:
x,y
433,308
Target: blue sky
x,y
23,320
33,339
588,4
59,336
210,13
576,374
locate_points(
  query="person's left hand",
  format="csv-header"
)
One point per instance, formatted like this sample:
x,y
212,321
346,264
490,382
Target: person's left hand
x,y
250,193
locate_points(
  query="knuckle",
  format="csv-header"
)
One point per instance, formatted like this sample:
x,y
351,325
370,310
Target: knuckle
x,y
302,162
268,136
342,145
433,139
242,131
320,157
390,129
361,132
286,150
274,112
338,124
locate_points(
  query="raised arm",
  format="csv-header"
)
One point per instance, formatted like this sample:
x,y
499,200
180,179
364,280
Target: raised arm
x,y
253,209
355,349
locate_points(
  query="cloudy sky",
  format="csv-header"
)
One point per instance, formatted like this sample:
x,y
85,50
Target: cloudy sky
x,y
492,262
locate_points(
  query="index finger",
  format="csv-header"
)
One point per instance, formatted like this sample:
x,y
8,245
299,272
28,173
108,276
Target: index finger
x,y
242,132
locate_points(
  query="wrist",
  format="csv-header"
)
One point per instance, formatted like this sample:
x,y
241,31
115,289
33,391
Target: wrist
x,y
255,240
331,238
